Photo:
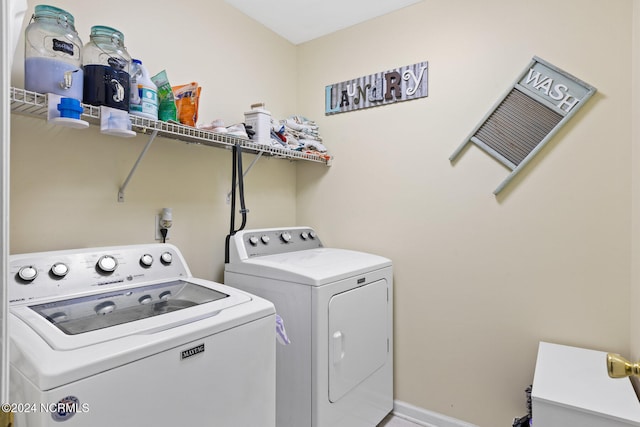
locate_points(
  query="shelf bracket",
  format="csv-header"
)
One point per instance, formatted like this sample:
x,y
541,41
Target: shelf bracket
x,y
135,166
246,171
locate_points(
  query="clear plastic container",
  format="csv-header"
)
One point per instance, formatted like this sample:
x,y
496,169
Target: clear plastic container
x,y
106,64
144,93
53,54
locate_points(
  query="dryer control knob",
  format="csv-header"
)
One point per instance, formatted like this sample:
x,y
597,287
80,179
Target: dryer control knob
x,y
146,260
286,237
107,264
28,273
265,239
59,269
166,258
312,234
304,235
254,241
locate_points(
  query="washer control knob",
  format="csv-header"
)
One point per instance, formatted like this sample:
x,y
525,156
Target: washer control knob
x,y
254,241
166,258
286,237
265,239
28,273
107,264
58,316
312,234
59,269
105,307
146,260
164,296
304,235
145,299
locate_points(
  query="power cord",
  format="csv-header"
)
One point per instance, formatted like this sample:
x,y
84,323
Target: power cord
x,y
163,233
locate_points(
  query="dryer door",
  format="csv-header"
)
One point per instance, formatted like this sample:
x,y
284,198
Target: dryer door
x,y
358,336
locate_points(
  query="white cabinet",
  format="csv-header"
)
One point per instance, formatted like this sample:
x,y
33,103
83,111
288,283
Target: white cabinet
x,y
571,387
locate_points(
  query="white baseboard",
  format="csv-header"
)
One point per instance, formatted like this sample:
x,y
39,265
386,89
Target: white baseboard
x,y
424,417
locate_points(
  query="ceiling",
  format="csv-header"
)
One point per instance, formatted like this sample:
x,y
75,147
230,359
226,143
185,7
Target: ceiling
x,y
302,20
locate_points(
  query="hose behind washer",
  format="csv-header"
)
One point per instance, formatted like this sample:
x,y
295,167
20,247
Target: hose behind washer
x,y
236,176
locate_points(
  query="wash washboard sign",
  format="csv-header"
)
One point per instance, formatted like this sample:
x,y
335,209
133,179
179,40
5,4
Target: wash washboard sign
x,y
541,101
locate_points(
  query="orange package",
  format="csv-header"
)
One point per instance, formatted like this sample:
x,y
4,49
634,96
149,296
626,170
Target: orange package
x,y
187,98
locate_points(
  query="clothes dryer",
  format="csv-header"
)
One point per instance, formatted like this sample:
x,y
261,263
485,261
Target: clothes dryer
x,y
337,307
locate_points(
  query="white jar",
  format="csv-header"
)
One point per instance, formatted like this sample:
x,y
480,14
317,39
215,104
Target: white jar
x,y
53,54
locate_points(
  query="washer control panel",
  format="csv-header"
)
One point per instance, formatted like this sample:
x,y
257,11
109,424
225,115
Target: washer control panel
x,y
270,241
70,272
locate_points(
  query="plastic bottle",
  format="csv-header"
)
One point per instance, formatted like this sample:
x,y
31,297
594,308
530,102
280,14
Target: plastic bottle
x,y
144,93
53,54
106,65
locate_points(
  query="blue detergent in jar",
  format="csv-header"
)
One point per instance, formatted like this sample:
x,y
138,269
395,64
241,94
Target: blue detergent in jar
x,y
53,54
106,64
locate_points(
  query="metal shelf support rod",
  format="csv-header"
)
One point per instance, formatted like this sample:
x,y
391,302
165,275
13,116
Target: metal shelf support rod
x,y
135,166
246,172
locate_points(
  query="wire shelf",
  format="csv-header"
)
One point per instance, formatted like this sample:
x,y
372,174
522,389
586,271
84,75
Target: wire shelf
x,y
36,104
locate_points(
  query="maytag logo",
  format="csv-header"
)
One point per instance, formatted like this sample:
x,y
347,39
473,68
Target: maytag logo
x,y
185,354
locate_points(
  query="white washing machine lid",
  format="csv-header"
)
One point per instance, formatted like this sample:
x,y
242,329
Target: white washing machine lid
x,y
313,267
76,322
99,351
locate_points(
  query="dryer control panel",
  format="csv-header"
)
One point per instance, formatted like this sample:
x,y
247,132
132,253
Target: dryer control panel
x,y
270,241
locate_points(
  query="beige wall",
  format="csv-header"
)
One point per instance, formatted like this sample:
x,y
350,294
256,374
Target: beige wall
x,y
635,235
480,280
65,182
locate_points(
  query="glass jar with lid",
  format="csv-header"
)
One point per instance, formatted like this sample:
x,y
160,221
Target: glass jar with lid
x,y
106,64
53,53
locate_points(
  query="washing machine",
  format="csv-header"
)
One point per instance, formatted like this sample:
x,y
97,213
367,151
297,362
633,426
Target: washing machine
x,y
337,308
127,336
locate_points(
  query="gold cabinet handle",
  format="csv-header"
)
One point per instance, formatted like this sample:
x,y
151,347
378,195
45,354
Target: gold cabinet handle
x,y
619,367
6,419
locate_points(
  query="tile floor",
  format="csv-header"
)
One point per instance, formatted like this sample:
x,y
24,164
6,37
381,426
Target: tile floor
x,y
395,421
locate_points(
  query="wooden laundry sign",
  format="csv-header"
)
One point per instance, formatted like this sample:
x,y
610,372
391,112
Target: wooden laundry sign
x,y
388,87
